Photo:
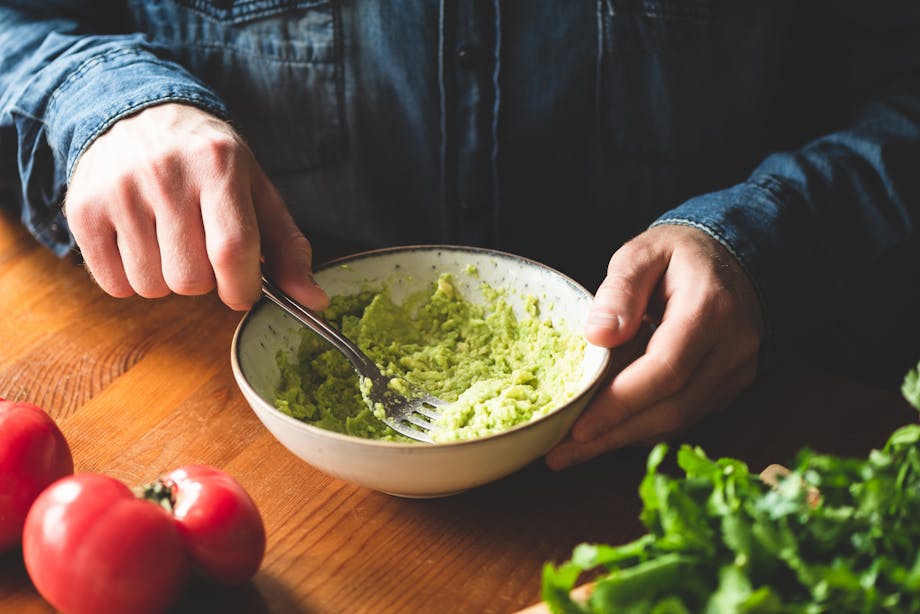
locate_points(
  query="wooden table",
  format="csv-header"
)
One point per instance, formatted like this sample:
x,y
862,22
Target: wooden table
x,y
139,387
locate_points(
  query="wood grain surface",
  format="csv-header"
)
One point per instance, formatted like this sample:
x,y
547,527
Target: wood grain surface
x,y
141,386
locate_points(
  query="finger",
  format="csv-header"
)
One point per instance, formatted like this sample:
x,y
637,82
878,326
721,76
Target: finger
x,y
288,254
622,298
674,353
171,188
135,235
180,232
96,240
231,235
714,390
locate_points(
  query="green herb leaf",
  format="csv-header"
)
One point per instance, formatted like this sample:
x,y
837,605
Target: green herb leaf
x,y
835,535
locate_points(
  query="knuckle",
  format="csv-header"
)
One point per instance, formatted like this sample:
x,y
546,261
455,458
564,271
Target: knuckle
x,y
122,187
625,267
79,213
89,222
119,291
163,165
232,249
238,295
110,283
191,284
150,288
628,260
186,269
144,275
618,289
299,247
219,150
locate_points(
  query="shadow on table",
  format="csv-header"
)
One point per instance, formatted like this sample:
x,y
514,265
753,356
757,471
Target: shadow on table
x,y
14,581
262,594
798,409
545,513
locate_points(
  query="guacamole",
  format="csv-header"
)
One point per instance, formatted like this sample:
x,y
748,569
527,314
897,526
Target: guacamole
x,y
495,370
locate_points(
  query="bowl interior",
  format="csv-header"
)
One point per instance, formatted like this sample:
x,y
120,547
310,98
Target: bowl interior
x,y
268,330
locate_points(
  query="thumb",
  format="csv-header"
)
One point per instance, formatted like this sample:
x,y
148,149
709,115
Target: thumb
x,y
622,299
287,253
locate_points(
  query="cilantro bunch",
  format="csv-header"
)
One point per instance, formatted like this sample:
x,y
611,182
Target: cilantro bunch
x,y
835,535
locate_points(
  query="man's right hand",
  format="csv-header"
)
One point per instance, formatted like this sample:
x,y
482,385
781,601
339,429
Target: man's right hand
x,y
172,200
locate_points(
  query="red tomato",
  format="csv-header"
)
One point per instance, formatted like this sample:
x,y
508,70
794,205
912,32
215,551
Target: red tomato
x,y
33,453
91,546
219,522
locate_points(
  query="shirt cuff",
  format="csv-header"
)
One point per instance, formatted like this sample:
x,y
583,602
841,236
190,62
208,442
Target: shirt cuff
x,y
110,86
761,223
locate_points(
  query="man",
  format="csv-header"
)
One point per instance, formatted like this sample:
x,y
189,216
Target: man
x,y
740,161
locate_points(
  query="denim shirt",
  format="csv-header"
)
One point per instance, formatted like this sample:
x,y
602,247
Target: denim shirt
x,y
788,130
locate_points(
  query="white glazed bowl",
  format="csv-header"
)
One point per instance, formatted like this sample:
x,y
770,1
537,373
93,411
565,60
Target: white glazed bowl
x,y
416,469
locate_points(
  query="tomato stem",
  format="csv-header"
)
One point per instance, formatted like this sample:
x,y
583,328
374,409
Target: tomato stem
x,y
158,492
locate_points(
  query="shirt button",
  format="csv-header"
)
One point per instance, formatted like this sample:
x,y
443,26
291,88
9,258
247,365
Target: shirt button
x,y
468,55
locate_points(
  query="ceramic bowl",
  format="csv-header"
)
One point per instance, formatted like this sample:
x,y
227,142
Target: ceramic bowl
x,y
417,469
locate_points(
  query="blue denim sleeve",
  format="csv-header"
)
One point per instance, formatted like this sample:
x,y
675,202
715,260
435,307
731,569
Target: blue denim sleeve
x,y
63,81
808,218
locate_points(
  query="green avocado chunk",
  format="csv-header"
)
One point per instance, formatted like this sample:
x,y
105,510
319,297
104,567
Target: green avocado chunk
x,y
496,370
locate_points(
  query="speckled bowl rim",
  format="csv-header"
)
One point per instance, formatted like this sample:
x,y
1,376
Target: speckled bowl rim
x,y
587,390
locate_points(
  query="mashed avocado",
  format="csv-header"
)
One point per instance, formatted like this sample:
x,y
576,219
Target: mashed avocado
x,y
496,370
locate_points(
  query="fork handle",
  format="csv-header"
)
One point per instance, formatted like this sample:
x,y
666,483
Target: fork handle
x,y
318,324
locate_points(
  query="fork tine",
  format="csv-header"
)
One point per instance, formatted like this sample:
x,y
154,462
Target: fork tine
x,y
425,410
418,420
409,431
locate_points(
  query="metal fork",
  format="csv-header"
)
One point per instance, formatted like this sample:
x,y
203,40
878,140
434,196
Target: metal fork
x,y
411,416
